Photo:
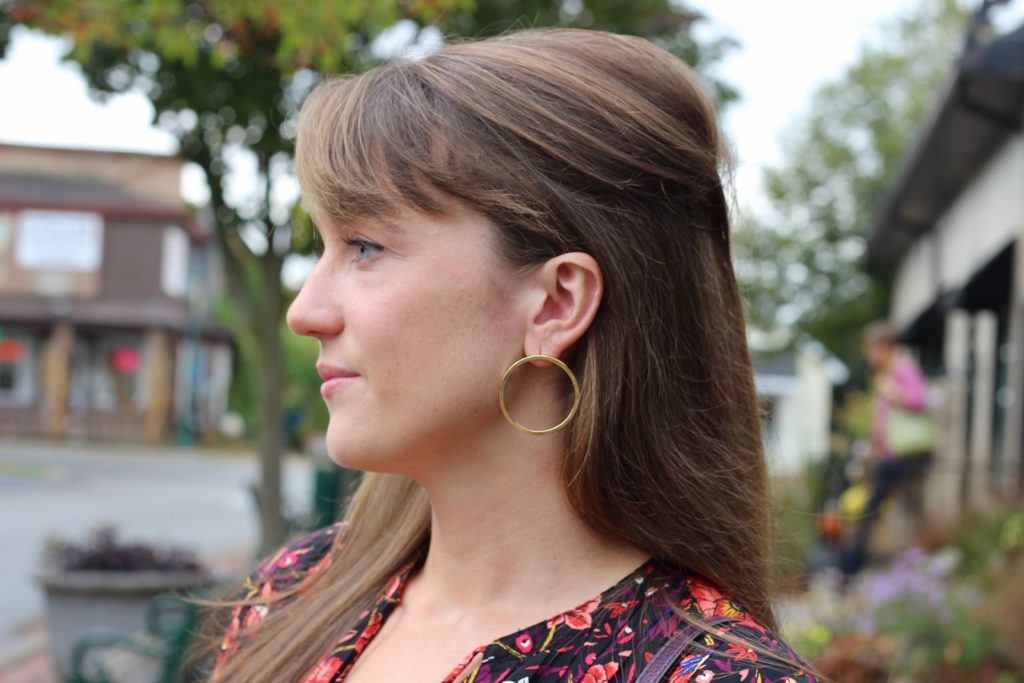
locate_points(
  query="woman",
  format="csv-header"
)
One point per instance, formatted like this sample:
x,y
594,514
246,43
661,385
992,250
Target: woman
x,y
898,384
531,338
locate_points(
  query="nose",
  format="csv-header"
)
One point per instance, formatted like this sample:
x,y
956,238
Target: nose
x,y
314,312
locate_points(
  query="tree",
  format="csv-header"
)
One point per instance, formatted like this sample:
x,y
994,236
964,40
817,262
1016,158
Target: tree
x,y
669,23
226,77
802,263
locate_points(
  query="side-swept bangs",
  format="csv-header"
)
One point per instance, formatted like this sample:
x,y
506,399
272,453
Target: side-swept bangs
x,y
368,144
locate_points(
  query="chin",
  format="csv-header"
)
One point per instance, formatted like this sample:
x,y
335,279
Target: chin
x,y
347,449
347,455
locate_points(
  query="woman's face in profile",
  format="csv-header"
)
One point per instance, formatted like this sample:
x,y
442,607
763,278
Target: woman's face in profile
x,y
417,317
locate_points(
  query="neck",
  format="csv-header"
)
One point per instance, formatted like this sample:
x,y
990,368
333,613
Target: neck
x,y
504,536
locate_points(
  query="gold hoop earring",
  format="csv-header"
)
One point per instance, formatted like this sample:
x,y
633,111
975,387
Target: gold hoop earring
x,y
553,361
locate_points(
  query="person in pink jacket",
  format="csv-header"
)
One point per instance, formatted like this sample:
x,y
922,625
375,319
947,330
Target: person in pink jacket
x,y
898,384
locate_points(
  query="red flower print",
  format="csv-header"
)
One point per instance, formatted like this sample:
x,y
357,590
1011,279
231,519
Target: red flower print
x,y
579,618
740,653
254,615
707,596
325,672
616,609
595,642
369,632
600,673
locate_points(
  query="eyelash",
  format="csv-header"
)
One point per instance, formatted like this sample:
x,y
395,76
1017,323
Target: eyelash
x,y
361,243
357,242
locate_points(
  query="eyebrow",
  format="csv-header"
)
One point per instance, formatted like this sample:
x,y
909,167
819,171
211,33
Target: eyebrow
x,y
388,223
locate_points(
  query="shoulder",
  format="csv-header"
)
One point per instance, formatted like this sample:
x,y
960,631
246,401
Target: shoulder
x,y
739,652
277,578
906,369
733,647
286,568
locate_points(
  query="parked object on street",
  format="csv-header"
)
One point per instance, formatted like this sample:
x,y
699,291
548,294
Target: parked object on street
x,y
108,584
153,656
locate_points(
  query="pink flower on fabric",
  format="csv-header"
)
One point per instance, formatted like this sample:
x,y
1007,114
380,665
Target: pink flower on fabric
x,y
600,673
349,635
325,672
579,618
287,560
393,587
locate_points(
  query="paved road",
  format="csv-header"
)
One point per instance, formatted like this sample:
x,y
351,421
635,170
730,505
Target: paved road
x,y
190,498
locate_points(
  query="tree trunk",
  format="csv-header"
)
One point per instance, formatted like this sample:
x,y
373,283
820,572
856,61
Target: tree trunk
x,y
270,312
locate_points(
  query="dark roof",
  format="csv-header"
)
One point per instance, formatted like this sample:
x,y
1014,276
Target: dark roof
x,y
982,107
83,151
35,190
40,191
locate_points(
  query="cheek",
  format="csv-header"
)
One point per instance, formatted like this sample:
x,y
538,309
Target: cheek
x,y
451,339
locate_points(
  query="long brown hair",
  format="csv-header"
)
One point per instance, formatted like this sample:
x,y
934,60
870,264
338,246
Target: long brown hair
x,y
565,140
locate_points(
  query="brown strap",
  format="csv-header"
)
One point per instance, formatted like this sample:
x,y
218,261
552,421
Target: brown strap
x,y
671,651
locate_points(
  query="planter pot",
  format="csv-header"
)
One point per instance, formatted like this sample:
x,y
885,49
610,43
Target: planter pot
x,y
80,601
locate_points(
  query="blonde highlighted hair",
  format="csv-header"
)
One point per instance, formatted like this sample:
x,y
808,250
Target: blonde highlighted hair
x,y
565,140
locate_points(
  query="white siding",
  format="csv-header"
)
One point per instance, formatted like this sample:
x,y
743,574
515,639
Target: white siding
x,y
986,217
914,286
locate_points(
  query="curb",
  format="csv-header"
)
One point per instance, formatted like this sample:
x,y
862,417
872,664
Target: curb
x,y
24,648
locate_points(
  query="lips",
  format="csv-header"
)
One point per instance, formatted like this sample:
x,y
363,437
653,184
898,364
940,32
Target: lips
x,y
334,378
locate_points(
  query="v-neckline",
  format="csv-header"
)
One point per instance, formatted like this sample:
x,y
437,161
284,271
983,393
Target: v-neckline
x,y
509,644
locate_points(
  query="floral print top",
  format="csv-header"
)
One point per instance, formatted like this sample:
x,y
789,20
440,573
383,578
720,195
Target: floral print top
x,y
607,639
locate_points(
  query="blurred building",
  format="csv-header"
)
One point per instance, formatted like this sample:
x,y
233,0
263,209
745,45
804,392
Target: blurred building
x,y
105,290
951,237
794,389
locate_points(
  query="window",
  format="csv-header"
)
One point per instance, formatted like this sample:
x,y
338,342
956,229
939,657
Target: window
x,y
17,367
7,376
107,373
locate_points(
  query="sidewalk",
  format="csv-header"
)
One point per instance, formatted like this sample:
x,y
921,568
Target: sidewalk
x,y
28,661
35,668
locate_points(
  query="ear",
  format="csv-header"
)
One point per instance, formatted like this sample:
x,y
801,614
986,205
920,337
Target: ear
x,y
569,288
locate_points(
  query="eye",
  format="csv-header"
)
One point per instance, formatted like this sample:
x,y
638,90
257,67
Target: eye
x,y
364,248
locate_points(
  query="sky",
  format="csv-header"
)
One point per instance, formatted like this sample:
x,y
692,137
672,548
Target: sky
x,y
787,49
